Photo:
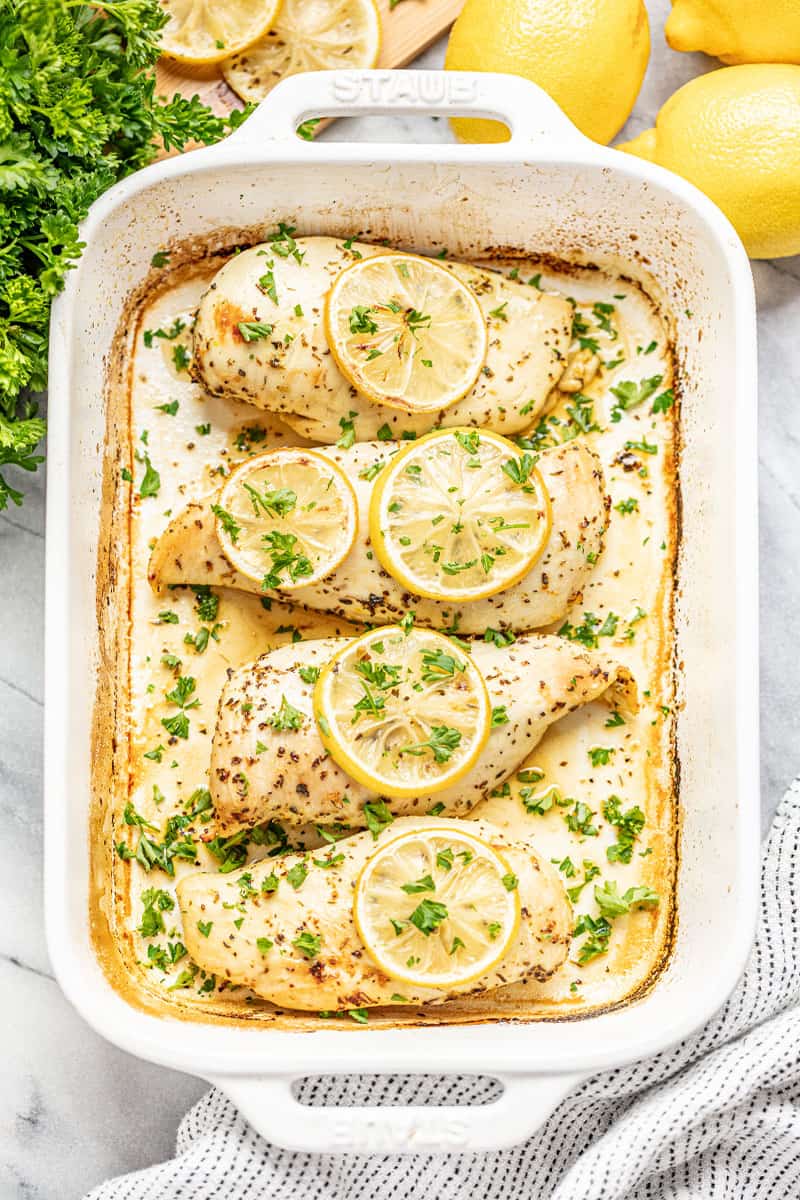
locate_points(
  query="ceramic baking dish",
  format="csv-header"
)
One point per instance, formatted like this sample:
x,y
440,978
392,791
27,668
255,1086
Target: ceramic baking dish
x,y
547,191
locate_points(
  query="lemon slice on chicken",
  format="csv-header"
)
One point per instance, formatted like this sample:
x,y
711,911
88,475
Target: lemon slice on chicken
x,y
405,332
287,518
405,713
206,31
309,35
436,907
459,515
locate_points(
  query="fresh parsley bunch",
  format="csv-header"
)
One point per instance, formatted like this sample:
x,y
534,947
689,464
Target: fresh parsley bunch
x,y
77,113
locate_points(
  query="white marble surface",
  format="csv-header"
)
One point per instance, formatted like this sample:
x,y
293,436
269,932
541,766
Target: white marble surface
x,y
73,1110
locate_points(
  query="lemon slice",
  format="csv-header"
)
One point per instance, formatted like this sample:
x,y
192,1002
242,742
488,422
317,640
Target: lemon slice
x,y
436,907
309,35
459,515
406,713
287,518
207,31
405,331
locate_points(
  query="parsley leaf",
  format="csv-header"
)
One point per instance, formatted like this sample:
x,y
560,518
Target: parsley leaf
x,y
428,916
442,742
630,394
628,826
377,816
287,717
309,944
612,904
151,480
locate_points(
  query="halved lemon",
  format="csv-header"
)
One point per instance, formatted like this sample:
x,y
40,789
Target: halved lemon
x,y
207,31
436,907
309,35
287,518
459,515
405,331
405,713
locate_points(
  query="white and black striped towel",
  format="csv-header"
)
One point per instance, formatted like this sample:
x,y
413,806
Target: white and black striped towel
x,y
716,1117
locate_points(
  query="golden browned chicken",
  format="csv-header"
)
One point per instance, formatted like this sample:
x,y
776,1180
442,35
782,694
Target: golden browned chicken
x,y
261,770
189,552
285,927
292,371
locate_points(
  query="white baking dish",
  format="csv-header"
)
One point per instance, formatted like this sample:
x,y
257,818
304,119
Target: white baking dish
x,y
548,190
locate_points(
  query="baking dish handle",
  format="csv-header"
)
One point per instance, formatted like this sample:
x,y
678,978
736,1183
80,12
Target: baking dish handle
x,y
526,109
272,1109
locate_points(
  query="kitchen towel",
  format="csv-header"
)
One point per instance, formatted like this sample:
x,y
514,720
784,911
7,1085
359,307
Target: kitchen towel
x,y
715,1117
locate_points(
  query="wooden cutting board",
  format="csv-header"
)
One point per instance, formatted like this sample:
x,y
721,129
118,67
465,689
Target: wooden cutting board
x,y
408,29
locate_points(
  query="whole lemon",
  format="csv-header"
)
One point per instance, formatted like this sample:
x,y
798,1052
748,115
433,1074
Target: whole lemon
x,y
737,31
589,55
735,134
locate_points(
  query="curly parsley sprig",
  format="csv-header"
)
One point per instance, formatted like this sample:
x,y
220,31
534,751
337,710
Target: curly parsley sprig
x,y
78,111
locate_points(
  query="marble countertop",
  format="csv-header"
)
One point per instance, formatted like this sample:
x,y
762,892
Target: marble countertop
x,y
74,1110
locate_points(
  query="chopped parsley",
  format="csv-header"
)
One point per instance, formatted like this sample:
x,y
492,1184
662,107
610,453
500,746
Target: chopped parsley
x,y
612,904
155,903
228,522
590,630
296,876
151,480
206,602
600,756
630,394
253,331
361,321
308,944
377,816
348,435
443,741
499,637
182,692
266,284
599,931
276,502
287,717
281,548
518,470
424,884
438,665
428,916
177,726
579,820
628,826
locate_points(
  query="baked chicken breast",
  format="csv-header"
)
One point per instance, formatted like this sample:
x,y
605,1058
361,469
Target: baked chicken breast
x,y
259,773
292,371
237,931
189,552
